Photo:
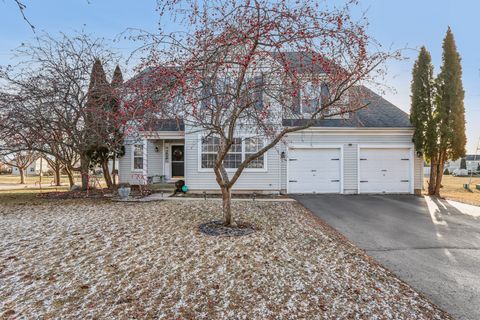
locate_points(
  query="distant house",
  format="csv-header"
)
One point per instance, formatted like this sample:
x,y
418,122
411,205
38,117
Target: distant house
x,y
34,169
5,168
472,162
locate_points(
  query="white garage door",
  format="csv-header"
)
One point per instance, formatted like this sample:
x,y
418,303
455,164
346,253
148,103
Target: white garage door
x,y
314,170
384,170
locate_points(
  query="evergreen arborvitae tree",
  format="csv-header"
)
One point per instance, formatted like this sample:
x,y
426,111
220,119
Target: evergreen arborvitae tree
x,y
97,125
117,79
422,109
116,145
450,111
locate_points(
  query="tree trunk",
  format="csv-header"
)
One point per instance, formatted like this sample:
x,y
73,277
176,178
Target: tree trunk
x,y
114,174
22,175
438,183
84,170
69,172
433,176
106,174
56,173
227,208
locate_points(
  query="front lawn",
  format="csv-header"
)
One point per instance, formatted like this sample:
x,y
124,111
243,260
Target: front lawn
x,y
452,188
85,259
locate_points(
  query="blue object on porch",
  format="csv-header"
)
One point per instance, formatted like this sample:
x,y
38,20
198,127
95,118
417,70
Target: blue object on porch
x,y
184,188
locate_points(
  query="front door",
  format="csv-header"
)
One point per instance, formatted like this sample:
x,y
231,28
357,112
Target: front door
x,y
178,161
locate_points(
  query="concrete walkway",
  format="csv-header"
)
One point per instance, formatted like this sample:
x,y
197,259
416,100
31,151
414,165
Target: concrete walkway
x,y
167,197
432,244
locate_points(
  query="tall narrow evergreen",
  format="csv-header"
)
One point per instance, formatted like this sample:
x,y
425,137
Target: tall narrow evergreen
x,y
450,111
116,145
117,78
96,120
422,109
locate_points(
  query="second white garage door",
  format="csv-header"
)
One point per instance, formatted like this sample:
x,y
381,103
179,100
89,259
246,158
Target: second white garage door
x,y
314,170
384,170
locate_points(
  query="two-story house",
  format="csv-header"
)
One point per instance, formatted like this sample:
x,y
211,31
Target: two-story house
x,y
368,151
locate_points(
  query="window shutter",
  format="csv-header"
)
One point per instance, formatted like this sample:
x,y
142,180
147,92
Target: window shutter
x,y
258,93
296,104
325,93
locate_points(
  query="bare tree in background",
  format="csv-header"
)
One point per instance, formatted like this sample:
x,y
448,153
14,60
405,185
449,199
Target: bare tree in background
x,y
44,101
21,160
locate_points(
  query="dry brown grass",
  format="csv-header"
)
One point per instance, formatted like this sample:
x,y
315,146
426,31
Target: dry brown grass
x,y
30,179
84,259
453,189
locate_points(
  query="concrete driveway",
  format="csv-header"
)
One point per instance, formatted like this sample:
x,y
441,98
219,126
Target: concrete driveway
x,y
434,245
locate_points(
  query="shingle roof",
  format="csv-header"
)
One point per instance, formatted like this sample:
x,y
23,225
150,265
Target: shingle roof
x,y
379,113
472,157
303,61
165,125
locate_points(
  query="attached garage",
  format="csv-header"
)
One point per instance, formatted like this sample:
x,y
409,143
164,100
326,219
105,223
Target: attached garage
x,y
385,170
314,170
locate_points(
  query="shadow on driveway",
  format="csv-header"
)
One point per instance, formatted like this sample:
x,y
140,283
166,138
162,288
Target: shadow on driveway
x,y
430,243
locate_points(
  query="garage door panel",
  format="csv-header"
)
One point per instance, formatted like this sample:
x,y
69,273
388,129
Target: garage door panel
x,y
385,170
314,170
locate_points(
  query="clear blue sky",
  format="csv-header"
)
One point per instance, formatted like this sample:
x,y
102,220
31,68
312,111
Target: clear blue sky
x,y
406,23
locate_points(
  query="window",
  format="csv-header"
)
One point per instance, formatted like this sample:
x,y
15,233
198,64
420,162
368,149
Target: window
x,y
138,157
239,151
311,97
252,146
210,147
310,100
233,159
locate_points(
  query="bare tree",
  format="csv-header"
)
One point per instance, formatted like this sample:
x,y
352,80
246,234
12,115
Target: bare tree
x,y
44,101
21,160
247,66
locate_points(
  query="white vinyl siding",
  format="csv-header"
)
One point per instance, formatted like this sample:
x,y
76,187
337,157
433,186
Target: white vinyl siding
x,y
155,157
126,172
418,173
350,155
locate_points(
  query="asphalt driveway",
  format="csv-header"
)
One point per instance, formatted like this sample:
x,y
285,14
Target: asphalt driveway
x,y
429,243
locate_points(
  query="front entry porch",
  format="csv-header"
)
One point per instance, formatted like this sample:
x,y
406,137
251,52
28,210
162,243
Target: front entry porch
x,y
167,163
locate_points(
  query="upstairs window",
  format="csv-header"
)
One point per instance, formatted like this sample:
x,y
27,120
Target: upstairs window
x,y
311,98
138,157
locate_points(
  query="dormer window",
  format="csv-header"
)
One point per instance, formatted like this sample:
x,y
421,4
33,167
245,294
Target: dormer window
x,y
311,97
